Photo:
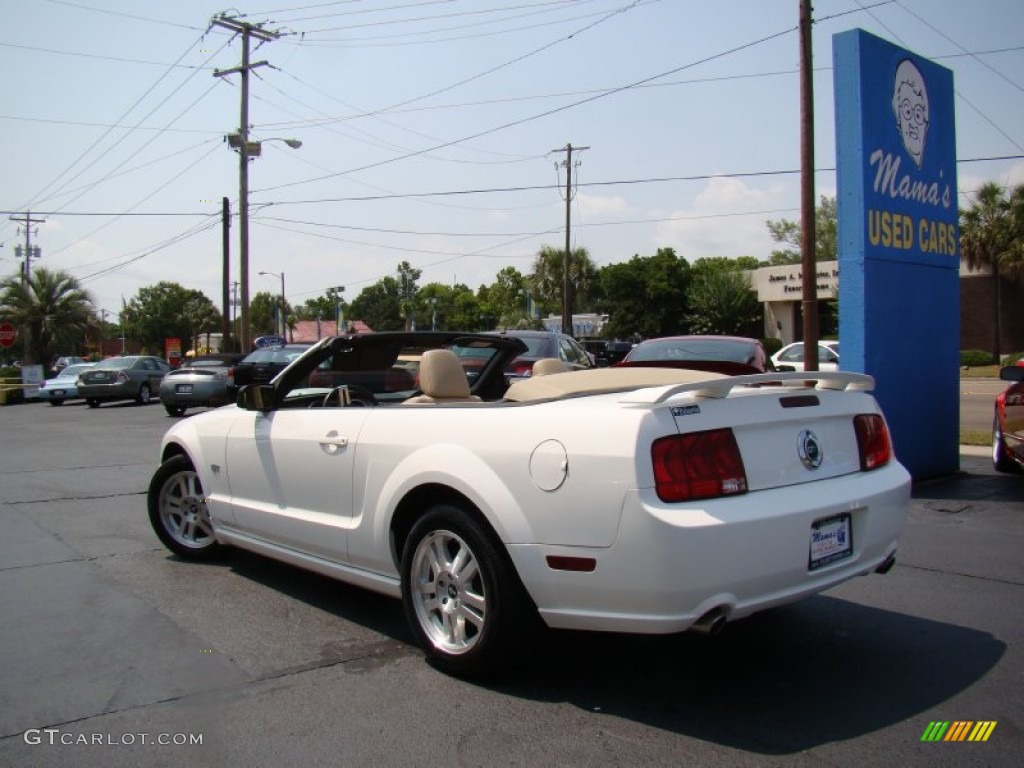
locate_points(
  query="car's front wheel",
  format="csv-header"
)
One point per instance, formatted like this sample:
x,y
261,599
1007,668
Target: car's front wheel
x,y
462,597
1001,458
178,513
175,410
144,395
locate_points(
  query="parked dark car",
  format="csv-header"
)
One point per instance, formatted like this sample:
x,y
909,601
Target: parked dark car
x,y
136,377
731,355
201,382
543,344
1008,424
262,365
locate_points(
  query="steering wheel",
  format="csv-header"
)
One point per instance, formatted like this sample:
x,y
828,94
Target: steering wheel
x,y
358,397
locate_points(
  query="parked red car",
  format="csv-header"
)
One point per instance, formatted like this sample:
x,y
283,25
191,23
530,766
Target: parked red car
x,y
1008,424
731,355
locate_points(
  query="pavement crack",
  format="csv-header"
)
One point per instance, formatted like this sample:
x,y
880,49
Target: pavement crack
x,y
76,498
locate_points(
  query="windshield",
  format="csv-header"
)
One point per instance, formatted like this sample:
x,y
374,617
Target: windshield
x,y
74,370
116,363
274,355
693,349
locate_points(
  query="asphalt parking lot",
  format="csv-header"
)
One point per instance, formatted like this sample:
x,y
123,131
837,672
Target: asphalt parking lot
x,y
116,653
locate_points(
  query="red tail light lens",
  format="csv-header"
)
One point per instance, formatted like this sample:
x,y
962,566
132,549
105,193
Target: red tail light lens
x,y
521,368
699,465
122,377
873,442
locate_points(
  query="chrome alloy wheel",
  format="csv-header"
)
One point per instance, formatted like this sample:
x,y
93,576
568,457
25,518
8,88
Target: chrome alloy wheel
x,y
183,513
448,593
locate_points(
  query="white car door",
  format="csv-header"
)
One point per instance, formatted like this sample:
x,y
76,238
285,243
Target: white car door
x,y
290,474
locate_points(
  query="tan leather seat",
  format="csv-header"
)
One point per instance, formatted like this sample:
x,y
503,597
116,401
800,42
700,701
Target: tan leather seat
x,y
548,365
442,379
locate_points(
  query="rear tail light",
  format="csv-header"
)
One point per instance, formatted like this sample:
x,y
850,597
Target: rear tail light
x,y
873,442
122,377
521,368
699,465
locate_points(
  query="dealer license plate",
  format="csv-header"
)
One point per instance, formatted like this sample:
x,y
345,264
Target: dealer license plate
x,y
183,389
831,540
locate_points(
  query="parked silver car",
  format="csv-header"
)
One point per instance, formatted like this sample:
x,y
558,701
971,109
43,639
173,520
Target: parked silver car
x,y
63,386
205,381
136,377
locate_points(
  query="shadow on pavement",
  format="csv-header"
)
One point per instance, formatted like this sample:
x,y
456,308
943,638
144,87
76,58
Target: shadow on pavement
x,y
784,681
780,682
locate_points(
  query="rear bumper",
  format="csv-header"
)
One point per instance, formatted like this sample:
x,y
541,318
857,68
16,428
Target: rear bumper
x,y
671,564
126,391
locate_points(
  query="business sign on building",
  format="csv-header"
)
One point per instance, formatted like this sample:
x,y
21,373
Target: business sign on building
x,y
899,301
785,283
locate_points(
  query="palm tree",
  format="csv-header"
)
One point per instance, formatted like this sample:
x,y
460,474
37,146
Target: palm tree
x,y
986,235
52,307
548,277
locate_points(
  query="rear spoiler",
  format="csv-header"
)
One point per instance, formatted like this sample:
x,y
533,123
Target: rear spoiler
x,y
718,388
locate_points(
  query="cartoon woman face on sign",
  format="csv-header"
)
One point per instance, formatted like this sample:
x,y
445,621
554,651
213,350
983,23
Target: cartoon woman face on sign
x,y
910,106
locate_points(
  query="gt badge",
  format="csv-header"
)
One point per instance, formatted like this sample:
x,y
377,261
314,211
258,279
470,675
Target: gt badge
x,y
808,448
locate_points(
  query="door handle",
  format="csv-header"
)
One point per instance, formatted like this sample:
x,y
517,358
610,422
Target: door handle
x,y
332,442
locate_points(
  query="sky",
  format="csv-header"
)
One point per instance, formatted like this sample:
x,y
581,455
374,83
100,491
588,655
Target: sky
x,y
433,131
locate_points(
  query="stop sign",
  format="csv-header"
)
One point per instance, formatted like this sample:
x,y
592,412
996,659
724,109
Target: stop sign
x,y
8,333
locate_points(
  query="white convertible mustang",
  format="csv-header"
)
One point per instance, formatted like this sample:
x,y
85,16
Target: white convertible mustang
x,y
645,500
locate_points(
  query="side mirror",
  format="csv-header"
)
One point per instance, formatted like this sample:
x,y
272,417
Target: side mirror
x,y
257,397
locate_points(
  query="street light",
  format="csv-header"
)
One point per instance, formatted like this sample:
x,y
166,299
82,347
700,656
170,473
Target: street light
x,y
284,323
246,149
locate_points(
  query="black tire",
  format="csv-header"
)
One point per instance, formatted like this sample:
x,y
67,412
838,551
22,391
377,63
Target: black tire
x,y
1001,459
467,627
56,402
177,511
175,410
93,402
144,395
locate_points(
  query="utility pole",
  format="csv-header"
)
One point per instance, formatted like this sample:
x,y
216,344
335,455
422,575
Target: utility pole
x,y
31,252
248,32
225,320
566,289
807,218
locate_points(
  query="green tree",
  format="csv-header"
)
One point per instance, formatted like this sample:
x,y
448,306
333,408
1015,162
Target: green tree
x,y
721,299
168,310
992,237
645,296
789,233
547,279
378,306
263,308
52,307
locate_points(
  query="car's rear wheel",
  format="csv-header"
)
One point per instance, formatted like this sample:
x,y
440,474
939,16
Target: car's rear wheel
x,y
93,402
175,410
144,395
178,513
462,597
1001,459
56,401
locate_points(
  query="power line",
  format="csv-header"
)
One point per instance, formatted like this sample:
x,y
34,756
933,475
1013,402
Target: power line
x,y
547,113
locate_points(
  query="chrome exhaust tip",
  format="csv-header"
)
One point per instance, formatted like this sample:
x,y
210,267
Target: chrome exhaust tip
x,y
711,623
887,564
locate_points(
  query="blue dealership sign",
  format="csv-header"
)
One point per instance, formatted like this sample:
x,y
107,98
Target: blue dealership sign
x,y
899,256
